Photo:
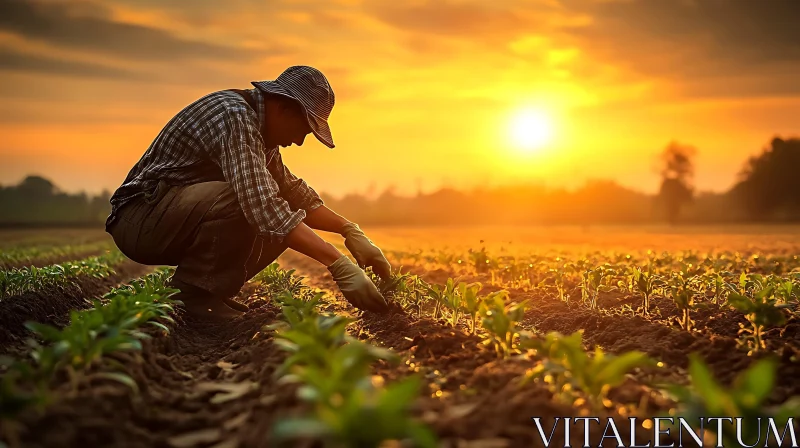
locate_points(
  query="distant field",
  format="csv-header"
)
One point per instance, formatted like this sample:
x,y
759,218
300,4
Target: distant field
x,y
755,238
772,239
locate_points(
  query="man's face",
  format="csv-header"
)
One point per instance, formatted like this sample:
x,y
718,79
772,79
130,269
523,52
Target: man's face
x,y
286,124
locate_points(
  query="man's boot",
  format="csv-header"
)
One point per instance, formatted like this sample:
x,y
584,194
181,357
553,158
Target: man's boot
x,y
206,307
237,305
202,305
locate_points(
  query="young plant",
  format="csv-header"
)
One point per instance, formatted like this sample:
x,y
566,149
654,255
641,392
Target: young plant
x,y
569,370
332,370
643,282
480,260
471,301
683,295
560,275
275,280
745,398
408,290
501,322
761,311
453,300
416,293
366,417
441,294
308,340
593,282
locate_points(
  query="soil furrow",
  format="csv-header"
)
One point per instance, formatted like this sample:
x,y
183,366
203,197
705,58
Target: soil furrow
x,y
203,385
52,305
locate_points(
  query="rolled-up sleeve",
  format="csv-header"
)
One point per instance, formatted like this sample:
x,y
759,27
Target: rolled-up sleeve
x,y
296,191
244,165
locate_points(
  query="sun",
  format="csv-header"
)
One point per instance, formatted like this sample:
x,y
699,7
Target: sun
x,y
531,130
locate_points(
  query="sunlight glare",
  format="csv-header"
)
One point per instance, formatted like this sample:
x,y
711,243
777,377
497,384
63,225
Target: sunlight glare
x,y
531,130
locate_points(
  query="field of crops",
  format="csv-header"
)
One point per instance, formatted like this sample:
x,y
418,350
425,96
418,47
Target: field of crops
x,y
496,336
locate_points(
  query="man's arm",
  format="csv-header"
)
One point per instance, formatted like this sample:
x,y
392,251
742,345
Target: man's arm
x,y
241,159
300,196
325,219
304,240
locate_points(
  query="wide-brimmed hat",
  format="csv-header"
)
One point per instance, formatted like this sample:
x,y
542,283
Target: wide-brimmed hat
x,y
311,89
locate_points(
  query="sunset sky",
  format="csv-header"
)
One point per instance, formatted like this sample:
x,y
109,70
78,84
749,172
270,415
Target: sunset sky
x,y
428,92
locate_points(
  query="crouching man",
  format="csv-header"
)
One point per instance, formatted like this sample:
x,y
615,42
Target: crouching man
x,y
212,196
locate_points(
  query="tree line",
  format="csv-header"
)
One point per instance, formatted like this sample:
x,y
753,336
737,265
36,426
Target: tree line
x,y
36,201
766,190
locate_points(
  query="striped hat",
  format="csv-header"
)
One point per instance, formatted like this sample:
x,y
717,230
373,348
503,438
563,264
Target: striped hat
x,y
310,88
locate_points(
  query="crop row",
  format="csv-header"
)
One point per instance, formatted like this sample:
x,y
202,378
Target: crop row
x,y
76,351
559,362
527,270
585,379
24,255
690,281
349,406
20,280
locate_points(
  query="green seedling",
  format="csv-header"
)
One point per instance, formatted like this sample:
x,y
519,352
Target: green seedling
x,y
745,398
406,289
593,282
471,301
441,294
366,417
309,340
332,371
453,301
275,280
644,283
761,311
560,275
340,371
683,295
295,307
718,285
416,293
501,322
569,370
480,260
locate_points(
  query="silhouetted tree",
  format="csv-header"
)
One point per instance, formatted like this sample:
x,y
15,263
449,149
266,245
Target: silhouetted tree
x,y
36,187
768,183
677,179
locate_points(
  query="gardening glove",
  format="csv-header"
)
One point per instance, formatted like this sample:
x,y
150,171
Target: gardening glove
x,y
357,288
365,251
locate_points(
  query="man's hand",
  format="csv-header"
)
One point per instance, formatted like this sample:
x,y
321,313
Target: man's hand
x,y
365,252
357,288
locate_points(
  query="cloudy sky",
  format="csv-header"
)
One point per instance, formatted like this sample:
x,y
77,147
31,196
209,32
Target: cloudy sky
x,y
427,90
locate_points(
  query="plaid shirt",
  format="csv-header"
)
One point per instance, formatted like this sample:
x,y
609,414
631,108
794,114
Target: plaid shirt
x,y
218,138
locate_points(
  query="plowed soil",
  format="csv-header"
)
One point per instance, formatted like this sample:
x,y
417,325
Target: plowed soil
x,y
212,385
52,305
203,385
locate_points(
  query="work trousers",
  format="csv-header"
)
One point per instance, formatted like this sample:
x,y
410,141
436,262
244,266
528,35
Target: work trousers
x,y
199,228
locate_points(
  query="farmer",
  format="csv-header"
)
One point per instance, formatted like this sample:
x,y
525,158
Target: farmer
x,y
212,196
